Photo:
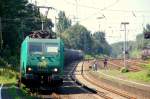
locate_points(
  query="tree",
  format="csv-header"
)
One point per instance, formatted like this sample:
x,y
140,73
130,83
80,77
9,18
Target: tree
x,y
146,32
147,28
77,37
19,18
33,20
63,22
100,44
11,11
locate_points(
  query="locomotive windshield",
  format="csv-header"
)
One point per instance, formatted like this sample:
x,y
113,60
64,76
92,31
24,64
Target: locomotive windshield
x,y
51,48
35,48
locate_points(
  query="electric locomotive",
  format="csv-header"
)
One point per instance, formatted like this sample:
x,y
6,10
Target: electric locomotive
x,y
42,62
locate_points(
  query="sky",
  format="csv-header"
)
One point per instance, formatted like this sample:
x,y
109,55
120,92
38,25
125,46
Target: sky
x,y
110,12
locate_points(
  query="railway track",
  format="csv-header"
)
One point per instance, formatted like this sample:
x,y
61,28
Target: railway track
x,y
45,94
97,92
133,66
57,93
100,91
53,95
70,89
104,91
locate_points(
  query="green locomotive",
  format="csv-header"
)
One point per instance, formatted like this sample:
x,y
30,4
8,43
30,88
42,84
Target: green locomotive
x,y
42,62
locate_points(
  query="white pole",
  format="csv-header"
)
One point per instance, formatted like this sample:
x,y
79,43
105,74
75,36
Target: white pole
x,y
125,46
42,24
125,23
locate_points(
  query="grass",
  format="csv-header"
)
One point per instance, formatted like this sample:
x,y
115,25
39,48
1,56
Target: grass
x,y
146,66
7,76
135,53
17,93
140,76
87,56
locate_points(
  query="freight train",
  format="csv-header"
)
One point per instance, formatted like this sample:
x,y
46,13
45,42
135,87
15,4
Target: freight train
x,y
71,55
42,61
145,52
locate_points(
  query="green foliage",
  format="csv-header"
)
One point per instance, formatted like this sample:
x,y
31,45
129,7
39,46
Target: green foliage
x,y
18,18
10,14
135,53
139,41
119,47
16,93
147,28
148,72
100,45
13,60
140,76
2,62
9,59
77,37
88,56
147,67
134,47
63,22
7,76
124,70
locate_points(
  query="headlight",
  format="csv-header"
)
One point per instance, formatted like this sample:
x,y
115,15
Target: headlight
x,y
42,57
55,70
29,69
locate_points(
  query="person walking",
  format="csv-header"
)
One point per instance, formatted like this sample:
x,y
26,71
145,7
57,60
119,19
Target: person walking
x,y
105,63
95,65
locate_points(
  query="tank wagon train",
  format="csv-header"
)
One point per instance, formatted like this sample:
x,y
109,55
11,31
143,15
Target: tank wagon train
x,y
72,55
42,60
145,54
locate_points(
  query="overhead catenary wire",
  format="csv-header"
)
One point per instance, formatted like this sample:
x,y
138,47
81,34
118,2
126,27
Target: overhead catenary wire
x,y
86,6
108,8
100,10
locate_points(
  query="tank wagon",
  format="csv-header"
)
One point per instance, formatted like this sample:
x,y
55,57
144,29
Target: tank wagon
x,y
145,52
42,62
72,55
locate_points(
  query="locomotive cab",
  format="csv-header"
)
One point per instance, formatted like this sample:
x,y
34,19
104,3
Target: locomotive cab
x,y
42,61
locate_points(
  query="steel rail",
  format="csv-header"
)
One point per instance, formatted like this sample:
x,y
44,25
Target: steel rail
x,y
99,93
108,89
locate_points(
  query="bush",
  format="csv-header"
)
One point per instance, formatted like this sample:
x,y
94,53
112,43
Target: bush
x,y
2,62
87,56
124,70
8,74
148,72
13,60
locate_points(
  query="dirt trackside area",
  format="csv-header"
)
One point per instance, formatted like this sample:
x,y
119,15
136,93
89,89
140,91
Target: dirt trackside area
x,y
142,91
